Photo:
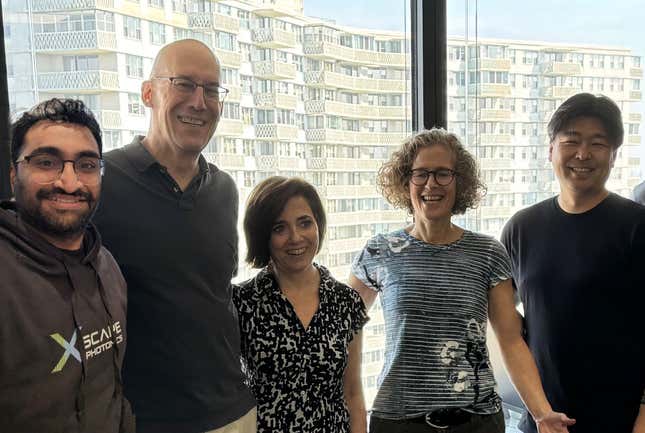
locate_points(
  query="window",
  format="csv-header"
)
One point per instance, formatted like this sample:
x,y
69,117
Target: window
x,y
157,33
80,63
156,3
134,66
135,107
132,27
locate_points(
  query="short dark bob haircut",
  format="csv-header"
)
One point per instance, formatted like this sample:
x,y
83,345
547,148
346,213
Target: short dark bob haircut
x,y
587,105
56,110
393,180
264,206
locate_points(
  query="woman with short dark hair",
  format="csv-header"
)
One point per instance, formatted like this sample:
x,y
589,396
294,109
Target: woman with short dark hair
x,y
439,284
301,328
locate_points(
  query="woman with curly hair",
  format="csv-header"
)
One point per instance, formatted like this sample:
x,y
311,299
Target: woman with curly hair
x,y
439,284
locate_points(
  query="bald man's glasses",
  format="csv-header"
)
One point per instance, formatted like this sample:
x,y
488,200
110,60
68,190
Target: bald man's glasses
x,y
186,87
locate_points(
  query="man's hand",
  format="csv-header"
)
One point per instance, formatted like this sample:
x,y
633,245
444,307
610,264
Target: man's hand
x,y
554,422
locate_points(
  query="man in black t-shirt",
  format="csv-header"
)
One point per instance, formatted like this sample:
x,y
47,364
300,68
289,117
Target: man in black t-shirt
x,y
170,219
577,264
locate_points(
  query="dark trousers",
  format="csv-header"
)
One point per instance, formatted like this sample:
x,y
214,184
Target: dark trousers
x,y
476,424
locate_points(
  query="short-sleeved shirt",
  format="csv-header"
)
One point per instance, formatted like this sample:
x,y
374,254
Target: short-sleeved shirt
x,y
580,279
435,306
295,373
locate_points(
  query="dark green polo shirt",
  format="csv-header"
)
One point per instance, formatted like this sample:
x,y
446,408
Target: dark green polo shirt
x,y
178,252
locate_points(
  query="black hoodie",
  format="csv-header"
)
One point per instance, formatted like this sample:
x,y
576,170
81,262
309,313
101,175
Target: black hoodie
x,y
62,334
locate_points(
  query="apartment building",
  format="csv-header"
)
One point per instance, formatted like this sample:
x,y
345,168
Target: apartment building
x,y
323,101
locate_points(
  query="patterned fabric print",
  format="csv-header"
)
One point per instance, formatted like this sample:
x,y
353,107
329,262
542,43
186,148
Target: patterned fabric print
x,y
297,374
435,305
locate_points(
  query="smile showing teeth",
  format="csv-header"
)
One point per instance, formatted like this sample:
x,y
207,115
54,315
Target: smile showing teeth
x,y
66,199
191,121
296,252
431,197
581,169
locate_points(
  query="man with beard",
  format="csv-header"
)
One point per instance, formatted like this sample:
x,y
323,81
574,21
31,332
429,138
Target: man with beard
x,y
170,218
62,296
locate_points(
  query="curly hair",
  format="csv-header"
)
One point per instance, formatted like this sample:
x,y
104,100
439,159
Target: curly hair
x,y
394,176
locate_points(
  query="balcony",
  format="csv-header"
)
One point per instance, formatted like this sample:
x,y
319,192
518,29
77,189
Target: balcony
x,y
635,95
362,111
79,81
316,164
484,90
344,245
366,217
490,115
226,161
353,137
351,191
273,38
561,68
274,70
274,100
559,91
229,127
495,163
70,5
228,58
634,117
488,64
80,42
215,21
342,81
633,139
329,51
276,8
495,138
496,211
636,72
276,131
109,119
275,162
234,93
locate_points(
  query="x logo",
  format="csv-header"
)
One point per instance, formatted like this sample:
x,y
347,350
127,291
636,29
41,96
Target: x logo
x,y
69,350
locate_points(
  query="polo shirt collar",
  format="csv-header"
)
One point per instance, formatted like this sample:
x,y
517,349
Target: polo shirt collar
x,y
142,159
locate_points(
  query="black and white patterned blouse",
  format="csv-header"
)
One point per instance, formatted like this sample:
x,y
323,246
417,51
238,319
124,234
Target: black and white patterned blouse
x,y
295,373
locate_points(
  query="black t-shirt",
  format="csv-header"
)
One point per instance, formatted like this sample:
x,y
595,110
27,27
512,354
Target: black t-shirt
x,y
178,251
581,280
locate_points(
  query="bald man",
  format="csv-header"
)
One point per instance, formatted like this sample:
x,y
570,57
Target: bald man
x,y
170,220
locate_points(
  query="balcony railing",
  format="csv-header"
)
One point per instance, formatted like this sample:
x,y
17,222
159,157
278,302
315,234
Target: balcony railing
x,y
94,40
226,161
273,38
486,89
274,70
342,81
353,137
561,68
228,58
109,119
274,100
366,217
330,50
276,131
228,127
316,106
79,81
559,91
489,64
209,20
70,5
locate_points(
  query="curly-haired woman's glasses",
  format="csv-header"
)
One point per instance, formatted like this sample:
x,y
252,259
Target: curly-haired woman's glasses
x,y
442,176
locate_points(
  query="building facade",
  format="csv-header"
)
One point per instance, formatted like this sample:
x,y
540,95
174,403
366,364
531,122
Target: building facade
x,y
322,101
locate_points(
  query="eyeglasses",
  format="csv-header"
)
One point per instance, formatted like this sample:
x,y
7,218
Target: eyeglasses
x,y
442,176
47,168
186,87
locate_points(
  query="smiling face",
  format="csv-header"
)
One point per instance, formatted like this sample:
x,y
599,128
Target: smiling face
x,y
433,202
60,210
582,157
182,122
294,237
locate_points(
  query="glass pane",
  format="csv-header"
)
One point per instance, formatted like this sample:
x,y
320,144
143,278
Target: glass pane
x,y
319,90
507,73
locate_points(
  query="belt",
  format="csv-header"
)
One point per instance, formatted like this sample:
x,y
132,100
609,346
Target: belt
x,y
443,418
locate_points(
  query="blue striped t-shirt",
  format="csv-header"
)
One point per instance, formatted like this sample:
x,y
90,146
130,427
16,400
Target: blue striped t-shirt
x,y
435,306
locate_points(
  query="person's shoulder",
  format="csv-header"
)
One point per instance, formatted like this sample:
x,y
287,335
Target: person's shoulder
x,y
627,208
252,287
340,290
533,212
